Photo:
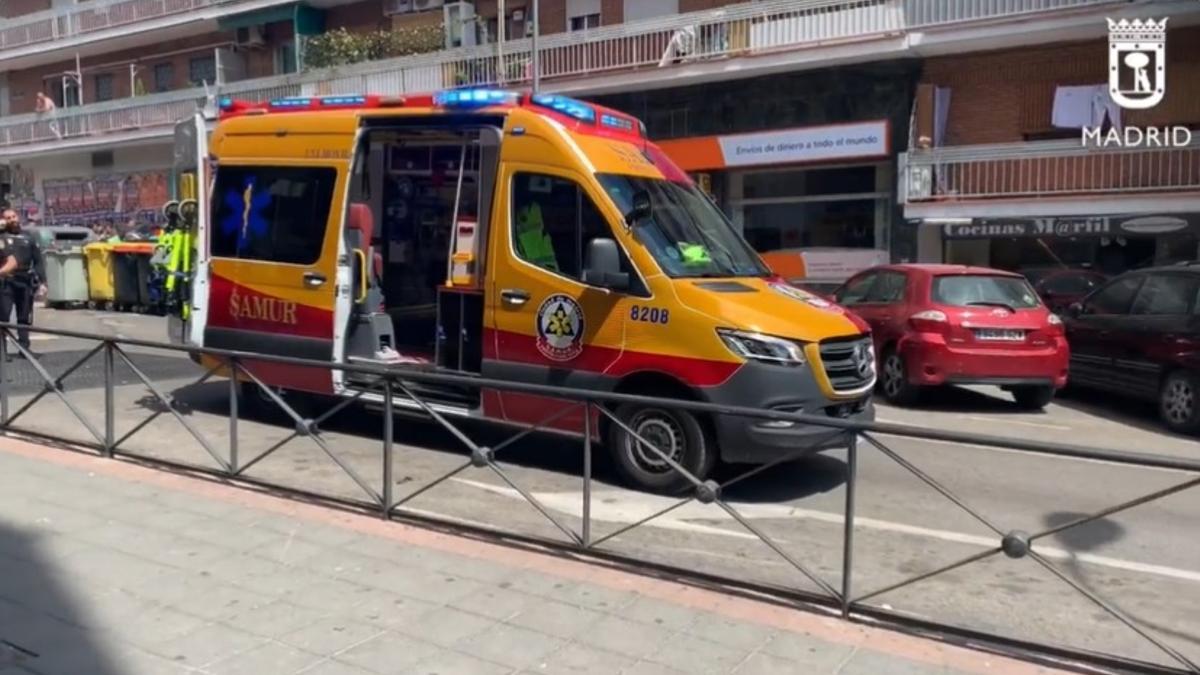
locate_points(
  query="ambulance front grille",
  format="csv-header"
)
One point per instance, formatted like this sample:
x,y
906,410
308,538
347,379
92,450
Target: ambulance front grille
x,y
849,364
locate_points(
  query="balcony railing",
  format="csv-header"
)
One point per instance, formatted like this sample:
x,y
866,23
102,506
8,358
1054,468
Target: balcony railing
x,y
1046,169
733,31
47,27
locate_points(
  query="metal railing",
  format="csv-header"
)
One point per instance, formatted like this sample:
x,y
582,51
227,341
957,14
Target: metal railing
x,y
226,458
733,31
1046,168
48,26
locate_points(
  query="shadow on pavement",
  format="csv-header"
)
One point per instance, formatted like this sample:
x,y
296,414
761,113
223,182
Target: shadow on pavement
x,y
960,399
1091,537
39,631
1137,413
793,480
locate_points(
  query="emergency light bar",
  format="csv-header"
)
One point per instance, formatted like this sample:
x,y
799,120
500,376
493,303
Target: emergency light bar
x,y
467,98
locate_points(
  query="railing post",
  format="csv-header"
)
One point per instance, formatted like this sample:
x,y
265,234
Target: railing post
x,y
109,399
387,448
4,374
848,523
234,392
587,474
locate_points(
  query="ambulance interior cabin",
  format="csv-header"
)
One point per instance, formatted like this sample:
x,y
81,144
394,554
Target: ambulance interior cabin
x,y
417,219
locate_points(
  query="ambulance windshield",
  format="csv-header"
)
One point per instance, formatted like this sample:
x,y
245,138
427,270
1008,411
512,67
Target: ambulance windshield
x,y
687,235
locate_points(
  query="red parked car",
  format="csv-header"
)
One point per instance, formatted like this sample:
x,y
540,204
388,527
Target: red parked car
x,y
949,324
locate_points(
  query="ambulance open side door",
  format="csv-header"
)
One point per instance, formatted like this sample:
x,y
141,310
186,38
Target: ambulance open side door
x,y
186,257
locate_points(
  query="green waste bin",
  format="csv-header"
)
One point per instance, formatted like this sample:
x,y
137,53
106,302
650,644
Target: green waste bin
x,y
66,277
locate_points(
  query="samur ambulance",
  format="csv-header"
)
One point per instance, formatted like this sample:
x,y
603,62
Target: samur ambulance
x,y
526,238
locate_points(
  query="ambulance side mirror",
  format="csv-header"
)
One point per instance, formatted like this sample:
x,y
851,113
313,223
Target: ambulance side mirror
x,y
604,266
640,210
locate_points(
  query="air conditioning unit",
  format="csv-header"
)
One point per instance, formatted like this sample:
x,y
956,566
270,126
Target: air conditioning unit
x,y
393,7
250,36
422,5
518,15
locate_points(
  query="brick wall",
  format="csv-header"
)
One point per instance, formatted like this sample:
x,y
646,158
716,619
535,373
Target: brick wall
x,y
701,5
15,8
1008,96
360,17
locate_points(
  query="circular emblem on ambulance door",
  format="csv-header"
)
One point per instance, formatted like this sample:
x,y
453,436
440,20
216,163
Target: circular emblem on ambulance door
x,y
560,328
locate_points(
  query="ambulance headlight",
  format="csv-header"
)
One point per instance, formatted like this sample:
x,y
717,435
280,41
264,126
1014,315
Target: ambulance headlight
x,y
759,347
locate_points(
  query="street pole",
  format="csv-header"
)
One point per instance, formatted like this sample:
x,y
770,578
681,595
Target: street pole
x,y
500,33
537,61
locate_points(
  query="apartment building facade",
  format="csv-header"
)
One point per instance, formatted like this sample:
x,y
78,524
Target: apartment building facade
x,y
801,117
1011,181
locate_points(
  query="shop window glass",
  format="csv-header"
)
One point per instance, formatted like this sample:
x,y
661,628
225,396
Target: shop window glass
x,y
1070,284
553,221
848,223
888,289
777,184
1114,298
276,214
1166,295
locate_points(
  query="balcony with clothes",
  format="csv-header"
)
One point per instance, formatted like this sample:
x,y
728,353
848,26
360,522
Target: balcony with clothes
x,y
1041,125
593,57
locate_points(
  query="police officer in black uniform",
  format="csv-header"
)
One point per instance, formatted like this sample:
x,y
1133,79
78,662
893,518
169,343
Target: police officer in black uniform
x,y
20,287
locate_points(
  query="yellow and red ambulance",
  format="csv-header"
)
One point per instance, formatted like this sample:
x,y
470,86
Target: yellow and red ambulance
x,y
503,235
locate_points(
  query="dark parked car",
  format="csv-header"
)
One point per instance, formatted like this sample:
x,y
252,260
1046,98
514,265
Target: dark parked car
x,y
1140,335
950,324
1060,287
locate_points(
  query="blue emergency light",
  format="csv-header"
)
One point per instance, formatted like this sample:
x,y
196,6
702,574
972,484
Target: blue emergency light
x,y
567,106
474,98
225,103
614,122
343,100
291,102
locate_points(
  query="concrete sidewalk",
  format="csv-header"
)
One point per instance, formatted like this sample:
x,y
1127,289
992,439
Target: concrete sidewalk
x,y
109,568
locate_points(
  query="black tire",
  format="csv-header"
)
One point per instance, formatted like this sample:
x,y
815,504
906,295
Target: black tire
x,y
894,384
645,469
1179,402
1033,398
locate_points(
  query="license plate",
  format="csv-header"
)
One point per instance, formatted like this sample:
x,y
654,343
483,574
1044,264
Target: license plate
x,y
999,335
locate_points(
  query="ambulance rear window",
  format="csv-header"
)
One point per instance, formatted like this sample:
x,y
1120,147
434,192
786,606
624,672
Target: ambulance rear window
x,y
271,213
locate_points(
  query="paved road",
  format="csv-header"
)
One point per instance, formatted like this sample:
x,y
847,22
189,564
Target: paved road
x,y
1145,561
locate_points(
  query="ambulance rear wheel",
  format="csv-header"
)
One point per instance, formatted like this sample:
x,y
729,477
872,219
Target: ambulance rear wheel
x,y
675,434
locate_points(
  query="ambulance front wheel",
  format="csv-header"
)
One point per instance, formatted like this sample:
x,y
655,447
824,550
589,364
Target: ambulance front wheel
x,y
676,436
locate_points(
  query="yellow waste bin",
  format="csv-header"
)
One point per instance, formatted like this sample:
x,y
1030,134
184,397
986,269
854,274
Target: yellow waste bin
x,y
100,274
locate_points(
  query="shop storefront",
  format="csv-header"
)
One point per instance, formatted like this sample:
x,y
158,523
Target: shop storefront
x,y
803,187
801,160
1109,244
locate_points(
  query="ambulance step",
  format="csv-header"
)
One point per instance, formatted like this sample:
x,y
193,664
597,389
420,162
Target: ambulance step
x,y
454,396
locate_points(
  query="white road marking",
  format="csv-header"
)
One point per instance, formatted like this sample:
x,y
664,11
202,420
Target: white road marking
x,y
1026,453
1009,420
625,507
981,418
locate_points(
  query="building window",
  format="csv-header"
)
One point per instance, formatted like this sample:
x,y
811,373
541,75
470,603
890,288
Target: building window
x,y
277,214
164,77
202,70
585,22
104,87
285,58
